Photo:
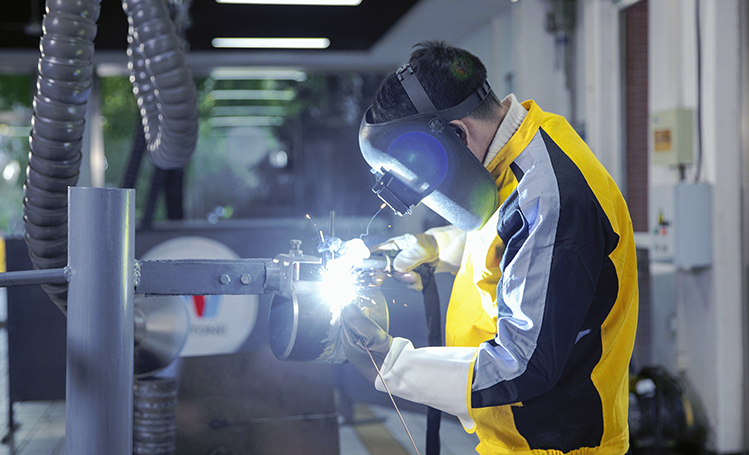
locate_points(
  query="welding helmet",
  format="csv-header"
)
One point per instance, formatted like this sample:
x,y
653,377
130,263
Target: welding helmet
x,y
420,158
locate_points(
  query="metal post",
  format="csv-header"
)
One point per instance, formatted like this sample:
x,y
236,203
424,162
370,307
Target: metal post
x,y
99,388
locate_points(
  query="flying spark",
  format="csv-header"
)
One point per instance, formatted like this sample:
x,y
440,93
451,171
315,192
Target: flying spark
x,y
322,239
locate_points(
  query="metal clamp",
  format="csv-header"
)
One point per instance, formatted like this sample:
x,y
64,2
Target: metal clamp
x,y
282,278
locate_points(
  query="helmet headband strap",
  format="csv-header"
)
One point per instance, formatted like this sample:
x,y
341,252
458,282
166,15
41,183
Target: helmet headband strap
x,y
423,103
415,90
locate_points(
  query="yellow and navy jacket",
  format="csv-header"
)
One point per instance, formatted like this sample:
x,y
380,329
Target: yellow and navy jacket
x,y
541,321
548,292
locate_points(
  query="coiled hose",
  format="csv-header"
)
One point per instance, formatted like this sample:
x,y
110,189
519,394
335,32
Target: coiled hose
x,y
166,97
62,91
162,83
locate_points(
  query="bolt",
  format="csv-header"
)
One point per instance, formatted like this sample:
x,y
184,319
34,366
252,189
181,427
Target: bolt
x,y
245,279
224,279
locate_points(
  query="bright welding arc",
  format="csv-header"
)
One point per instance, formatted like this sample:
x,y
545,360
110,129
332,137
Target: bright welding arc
x,y
342,275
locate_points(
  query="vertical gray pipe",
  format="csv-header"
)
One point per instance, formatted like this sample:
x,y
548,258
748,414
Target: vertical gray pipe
x,y
99,389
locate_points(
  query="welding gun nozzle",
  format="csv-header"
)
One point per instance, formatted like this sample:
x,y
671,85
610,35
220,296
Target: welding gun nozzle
x,y
378,262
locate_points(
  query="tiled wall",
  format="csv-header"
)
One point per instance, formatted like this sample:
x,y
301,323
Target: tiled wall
x,y
636,114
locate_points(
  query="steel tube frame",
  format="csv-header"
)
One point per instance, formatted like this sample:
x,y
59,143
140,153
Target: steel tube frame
x,y
205,277
100,324
28,277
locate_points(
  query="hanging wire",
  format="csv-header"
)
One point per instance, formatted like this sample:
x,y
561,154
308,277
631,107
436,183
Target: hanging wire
x,y
698,37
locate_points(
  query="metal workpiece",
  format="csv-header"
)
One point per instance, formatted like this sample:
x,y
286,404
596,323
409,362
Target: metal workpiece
x,y
100,322
206,277
162,325
306,326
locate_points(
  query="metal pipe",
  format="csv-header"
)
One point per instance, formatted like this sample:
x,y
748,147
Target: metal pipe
x,y
26,277
99,388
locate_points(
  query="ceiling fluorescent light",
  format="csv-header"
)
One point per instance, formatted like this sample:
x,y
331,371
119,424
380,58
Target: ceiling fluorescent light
x,y
241,74
294,2
230,122
227,111
271,43
281,95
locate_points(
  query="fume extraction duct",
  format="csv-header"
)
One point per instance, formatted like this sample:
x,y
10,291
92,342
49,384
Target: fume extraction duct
x,y
162,83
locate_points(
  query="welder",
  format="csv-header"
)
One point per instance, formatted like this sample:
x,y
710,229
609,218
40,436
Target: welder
x,y
541,321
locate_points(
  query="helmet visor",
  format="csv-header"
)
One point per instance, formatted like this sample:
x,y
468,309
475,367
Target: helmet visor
x,y
420,158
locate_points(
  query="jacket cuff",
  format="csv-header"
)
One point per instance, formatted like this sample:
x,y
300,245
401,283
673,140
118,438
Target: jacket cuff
x,y
451,241
439,377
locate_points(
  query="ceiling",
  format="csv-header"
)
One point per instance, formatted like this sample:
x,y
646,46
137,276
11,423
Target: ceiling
x,y
348,28
374,35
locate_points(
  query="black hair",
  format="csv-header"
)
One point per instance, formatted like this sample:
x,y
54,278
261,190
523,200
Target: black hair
x,y
448,74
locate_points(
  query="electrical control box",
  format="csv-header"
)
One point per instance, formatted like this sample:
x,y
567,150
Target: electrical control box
x,y
661,223
671,137
693,233
680,220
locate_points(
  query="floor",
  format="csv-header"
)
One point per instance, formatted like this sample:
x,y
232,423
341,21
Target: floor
x,y
41,427
41,424
41,431
384,434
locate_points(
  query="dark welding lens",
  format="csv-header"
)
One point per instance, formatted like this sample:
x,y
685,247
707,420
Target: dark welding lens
x,y
397,195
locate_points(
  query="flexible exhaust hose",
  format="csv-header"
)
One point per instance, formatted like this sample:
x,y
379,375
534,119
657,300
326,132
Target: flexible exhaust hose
x,y
62,91
166,97
162,83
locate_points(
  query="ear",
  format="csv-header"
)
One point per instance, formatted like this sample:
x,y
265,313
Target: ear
x,y
476,135
461,129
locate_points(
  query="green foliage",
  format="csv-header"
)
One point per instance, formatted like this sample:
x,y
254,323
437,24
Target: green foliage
x,y
15,92
15,125
119,117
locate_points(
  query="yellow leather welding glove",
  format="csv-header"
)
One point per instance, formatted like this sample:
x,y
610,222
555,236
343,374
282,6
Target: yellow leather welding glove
x,y
441,246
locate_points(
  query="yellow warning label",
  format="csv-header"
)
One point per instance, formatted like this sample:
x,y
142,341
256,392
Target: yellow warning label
x,y
662,140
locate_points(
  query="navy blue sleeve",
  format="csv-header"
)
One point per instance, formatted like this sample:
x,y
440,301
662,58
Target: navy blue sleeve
x,y
554,269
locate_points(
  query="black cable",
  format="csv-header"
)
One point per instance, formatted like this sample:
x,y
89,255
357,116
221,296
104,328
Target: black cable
x,y
434,419
173,189
136,157
157,183
434,338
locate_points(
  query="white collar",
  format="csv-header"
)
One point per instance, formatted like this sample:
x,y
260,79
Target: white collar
x,y
515,115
